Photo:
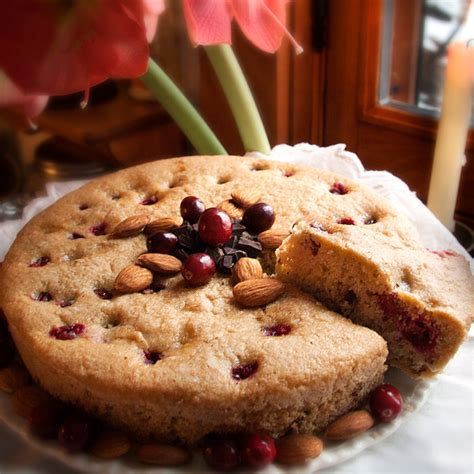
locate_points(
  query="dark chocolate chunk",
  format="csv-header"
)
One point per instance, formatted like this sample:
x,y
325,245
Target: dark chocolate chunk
x,y
181,254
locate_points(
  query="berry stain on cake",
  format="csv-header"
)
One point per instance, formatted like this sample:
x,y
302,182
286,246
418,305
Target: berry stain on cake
x,y
417,328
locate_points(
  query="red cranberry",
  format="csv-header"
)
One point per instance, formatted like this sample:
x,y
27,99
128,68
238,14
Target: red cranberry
x,y
103,293
74,433
191,209
162,242
39,262
222,454
258,450
98,229
215,226
339,188
68,332
198,269
386,402
277,330
152,357
242,372
258,218
44,420
346,221
149,201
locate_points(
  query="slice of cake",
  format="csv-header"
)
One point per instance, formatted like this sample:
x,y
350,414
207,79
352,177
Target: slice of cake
x,y
421,302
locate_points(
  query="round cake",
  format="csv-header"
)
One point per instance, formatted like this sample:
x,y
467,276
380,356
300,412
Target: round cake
x,y
175,361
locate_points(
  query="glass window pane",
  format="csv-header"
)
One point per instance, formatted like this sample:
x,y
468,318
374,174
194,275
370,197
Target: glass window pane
x,y
416,35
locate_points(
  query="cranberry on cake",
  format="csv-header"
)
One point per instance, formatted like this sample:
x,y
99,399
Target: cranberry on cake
x,y
421,302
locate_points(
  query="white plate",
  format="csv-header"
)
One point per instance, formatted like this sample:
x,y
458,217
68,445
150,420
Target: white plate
x,y
415,393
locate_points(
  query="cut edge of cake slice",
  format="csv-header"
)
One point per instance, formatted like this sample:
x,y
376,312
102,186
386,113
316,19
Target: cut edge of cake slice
x,y
421,302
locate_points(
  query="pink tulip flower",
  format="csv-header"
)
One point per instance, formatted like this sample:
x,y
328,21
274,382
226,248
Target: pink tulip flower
x,y
262,21
10,96
59,47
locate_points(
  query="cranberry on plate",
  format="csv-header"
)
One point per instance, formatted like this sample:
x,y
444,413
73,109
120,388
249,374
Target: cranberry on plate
x,y
258,450
74,433
386,402
222,454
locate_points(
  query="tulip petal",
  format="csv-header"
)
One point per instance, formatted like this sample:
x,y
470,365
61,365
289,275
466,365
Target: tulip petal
x,y
208,21
262,21
11,95
50,51
152,9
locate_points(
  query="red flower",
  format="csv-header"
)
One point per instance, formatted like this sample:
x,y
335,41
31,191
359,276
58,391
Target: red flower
x,y
262,21
58,47
10,95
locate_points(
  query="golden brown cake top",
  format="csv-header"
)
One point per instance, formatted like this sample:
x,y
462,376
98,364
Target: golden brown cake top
x,y
62,266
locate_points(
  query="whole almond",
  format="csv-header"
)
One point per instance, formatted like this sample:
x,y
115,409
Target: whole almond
x,y
28,397
258,292
298,449
110,445
231,209
247,269
163,455
349,425
272,238
131,226
162,224
133,279
160,262
12,378
244,198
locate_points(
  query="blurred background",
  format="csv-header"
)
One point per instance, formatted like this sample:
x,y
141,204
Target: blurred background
x,y
371,77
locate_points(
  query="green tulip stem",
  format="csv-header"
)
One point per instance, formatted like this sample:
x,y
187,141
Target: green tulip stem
x,y
239,97
181,110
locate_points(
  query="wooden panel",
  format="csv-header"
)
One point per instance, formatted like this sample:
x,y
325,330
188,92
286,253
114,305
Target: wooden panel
x,y
306,84
341,80
406,32
409,159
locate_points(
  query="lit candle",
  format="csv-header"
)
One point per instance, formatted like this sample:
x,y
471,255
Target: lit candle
x,y
452,133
